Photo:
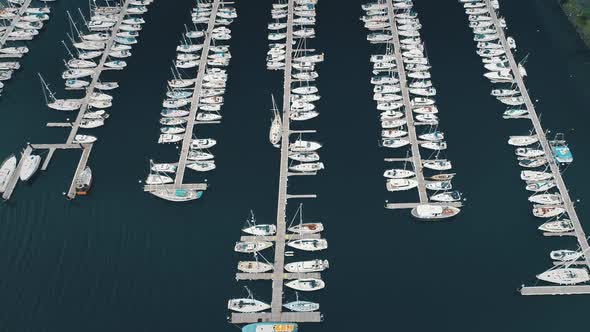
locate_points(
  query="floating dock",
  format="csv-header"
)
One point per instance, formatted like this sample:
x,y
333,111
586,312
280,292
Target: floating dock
x,y
278,276
75,125
553,166
403,82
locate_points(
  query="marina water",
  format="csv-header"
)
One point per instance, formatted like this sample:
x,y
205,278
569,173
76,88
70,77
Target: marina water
x,y
122,260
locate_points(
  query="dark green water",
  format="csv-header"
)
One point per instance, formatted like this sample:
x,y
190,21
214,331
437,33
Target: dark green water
x,y
121,260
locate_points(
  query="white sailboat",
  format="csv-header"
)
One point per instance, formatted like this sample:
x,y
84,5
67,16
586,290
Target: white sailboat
x,y
258,230
306,284
276,127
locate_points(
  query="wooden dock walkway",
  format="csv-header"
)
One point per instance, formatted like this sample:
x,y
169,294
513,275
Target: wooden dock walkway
x,y
567,201
555,290
279,259
195,100
300,317
403,82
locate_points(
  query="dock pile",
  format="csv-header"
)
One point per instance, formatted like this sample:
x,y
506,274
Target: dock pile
x,y
539,156
290,31
194,97
405,94
19,22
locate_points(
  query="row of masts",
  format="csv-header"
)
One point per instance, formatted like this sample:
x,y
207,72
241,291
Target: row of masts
x,y
291,28
539,157
19,22
107,39
405,98
193,100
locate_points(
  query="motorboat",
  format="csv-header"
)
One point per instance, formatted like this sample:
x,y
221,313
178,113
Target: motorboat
x,y
306,284
309,244
30,165
83,182
434,212
316,265
84,139
438,185
252,246
7,169
203,143
401,184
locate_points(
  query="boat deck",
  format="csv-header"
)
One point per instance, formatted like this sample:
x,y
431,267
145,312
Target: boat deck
x,y
553,166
